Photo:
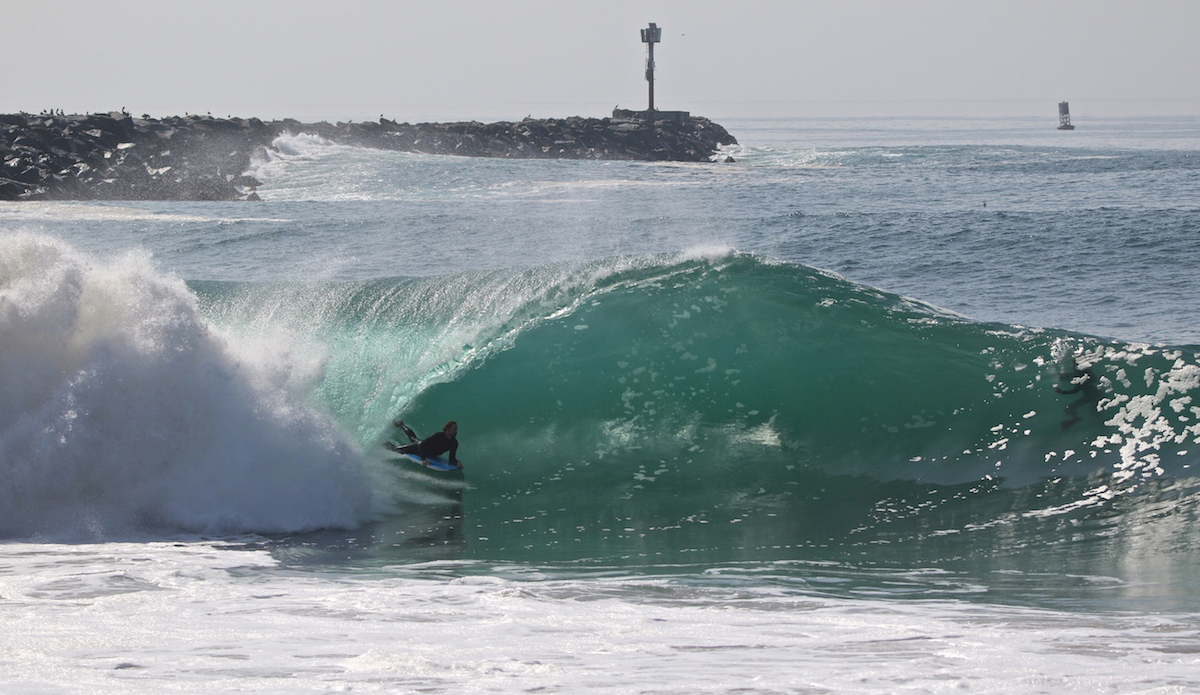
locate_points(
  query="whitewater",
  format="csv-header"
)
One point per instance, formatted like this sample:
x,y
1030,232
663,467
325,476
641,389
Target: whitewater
x,y
884,405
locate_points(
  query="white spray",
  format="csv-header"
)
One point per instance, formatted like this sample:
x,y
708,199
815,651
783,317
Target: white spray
x,y
122,410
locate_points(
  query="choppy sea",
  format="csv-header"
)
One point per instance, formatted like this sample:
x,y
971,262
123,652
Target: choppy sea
x,y
881,406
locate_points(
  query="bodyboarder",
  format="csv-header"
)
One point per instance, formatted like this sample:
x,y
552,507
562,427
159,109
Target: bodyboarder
x,y
1074,379
434,445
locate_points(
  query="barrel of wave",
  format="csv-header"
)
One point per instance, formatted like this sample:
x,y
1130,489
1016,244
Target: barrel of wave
x,y
698,370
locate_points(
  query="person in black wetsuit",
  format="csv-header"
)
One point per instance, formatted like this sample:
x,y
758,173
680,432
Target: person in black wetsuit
x,y
433,445
1072,379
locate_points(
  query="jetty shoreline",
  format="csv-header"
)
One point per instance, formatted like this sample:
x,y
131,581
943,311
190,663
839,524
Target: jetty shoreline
x,y
115,156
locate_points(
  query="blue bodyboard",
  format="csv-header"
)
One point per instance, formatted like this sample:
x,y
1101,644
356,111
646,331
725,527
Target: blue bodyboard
x,y
436,463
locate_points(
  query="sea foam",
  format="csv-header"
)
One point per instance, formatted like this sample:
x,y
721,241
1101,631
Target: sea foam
x,y
122,410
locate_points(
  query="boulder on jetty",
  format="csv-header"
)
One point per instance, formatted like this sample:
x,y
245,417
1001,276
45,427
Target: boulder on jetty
x,y
117,157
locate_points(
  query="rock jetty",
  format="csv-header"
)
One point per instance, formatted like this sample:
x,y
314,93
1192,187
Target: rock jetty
x,y
117,157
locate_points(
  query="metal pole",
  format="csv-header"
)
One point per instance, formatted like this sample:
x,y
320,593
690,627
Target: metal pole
x,y
650,77
651,36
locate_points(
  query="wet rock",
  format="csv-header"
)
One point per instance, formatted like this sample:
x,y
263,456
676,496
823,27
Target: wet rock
x,y
116,157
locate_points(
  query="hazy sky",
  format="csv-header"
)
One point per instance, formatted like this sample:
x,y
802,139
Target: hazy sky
x,y
505,59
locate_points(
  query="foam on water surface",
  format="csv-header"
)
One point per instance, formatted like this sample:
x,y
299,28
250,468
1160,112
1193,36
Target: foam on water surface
x,y
155,617
123,408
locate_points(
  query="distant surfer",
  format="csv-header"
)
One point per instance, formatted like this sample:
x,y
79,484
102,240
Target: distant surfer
x,y
434,445
1072,379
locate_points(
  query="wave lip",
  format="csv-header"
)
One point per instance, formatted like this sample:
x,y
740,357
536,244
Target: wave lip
x,y
122,410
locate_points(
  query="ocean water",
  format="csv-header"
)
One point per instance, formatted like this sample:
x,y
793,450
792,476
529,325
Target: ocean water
x,y
885,405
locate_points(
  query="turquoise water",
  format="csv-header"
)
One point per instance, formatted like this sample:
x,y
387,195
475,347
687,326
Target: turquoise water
x,y
668,411
824,375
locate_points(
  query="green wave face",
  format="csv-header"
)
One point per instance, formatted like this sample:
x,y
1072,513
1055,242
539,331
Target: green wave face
x,y
676,410
732,408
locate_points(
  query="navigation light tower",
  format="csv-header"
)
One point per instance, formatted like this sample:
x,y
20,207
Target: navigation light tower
x,y
651,36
